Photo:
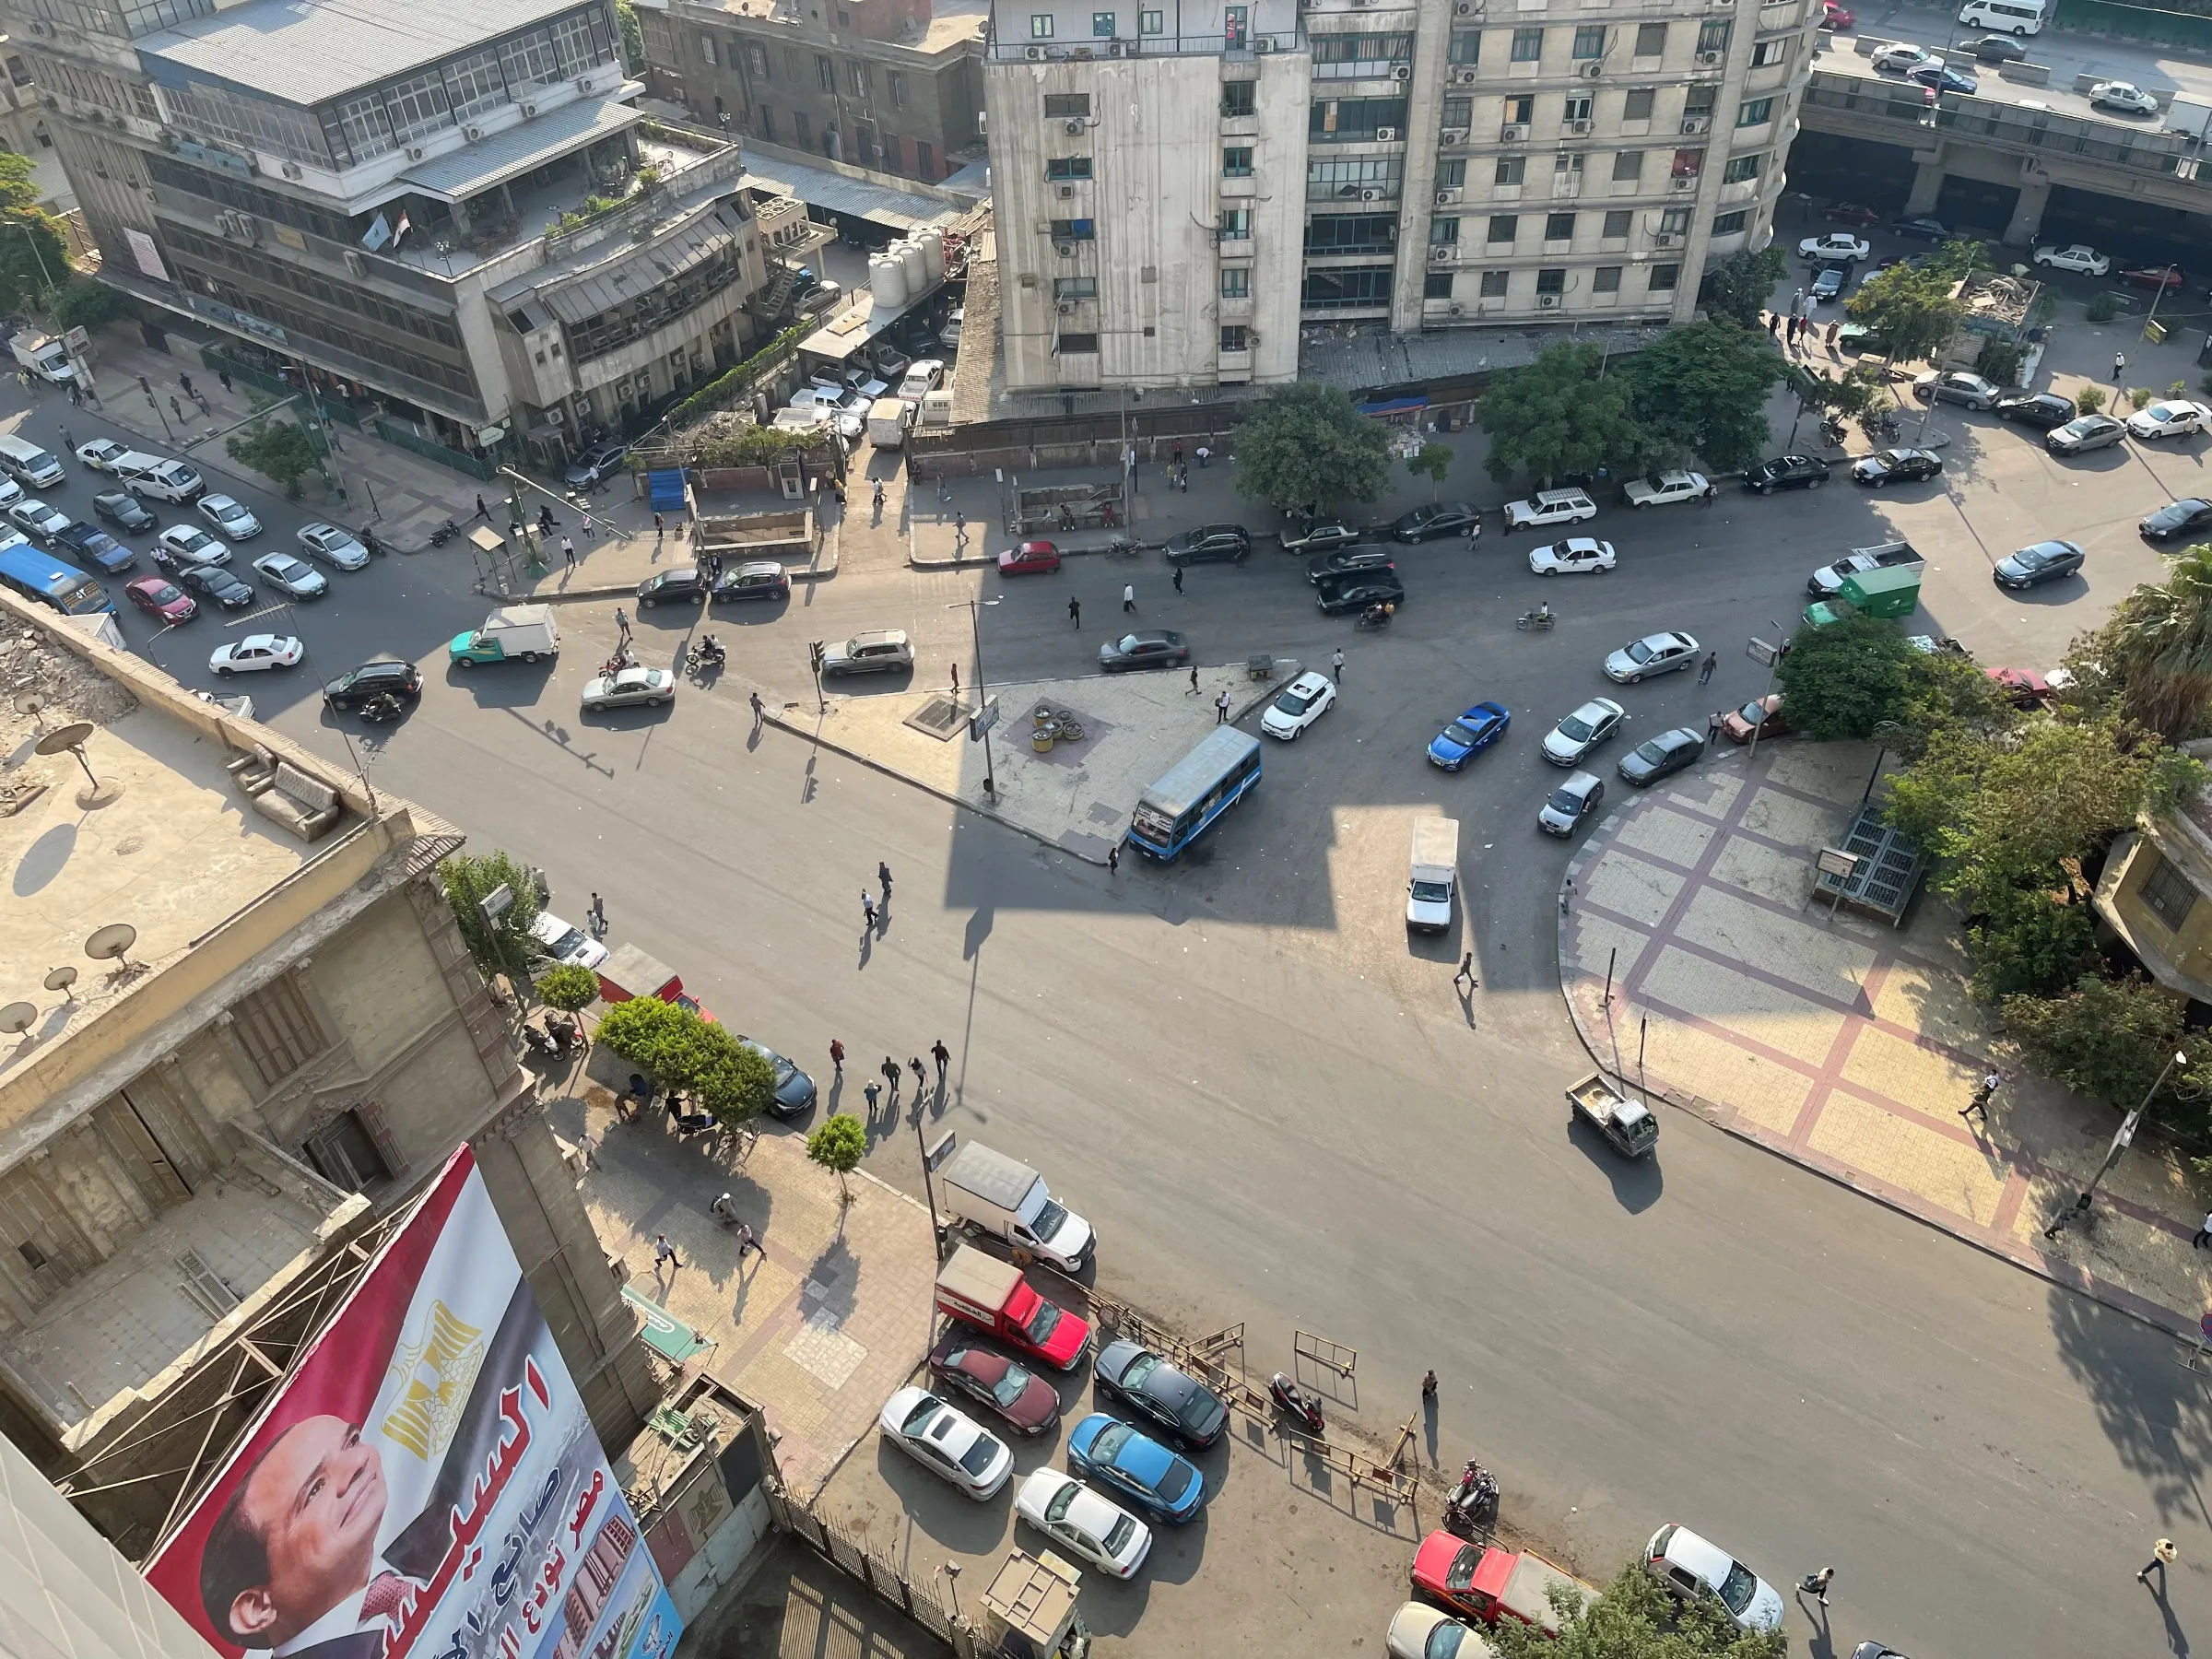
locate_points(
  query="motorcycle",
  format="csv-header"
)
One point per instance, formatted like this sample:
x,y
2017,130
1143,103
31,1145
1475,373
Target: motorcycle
x,y
1536,621
1882,428
445,533
1832,431
1295,1402
382,709
1375,615
707,654
1473,1506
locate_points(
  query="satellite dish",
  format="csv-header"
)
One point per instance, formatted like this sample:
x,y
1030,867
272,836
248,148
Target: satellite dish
x,y
111,941
72,737
31,704
18,1017
61,979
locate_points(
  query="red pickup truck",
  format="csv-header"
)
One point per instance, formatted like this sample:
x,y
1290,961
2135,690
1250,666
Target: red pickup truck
x,y
629,971
1483,1582
992,1295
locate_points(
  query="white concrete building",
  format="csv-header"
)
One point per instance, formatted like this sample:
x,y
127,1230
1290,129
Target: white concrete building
x,y
1183,194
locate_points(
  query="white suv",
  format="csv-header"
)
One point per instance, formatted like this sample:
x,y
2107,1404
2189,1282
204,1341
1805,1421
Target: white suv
x,y
1550,507
1690,1567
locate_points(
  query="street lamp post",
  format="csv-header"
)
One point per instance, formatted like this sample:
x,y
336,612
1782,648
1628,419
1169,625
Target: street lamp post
x,y
931,1155
983,703
2122,1137
1773,666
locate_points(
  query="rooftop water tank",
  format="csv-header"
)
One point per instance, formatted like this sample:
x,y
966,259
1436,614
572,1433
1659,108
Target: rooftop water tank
x,y
887,281
932,243
917,268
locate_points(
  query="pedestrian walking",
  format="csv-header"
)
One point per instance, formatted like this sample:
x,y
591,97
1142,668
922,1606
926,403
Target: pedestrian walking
x,y
1177,461
224,376
597,913
1982,1091
1429,1387
1816,1583
759,710
1221,708
960,529
201,399
868,907
2204,1235
749,1240
1835,331
175,408
871,1090
1466,972
567,552
622,622
1566,895
1075,612
943,1056
1205,456
186,380
1129,596
956,679
920,1074
68,442
2162,1555
1179,579
1113,859
76,395
1774,322
1713,729
883,879
891,1075
1182,478
838,489
1712,661
1336,663
1193,690
2119,368
663,1254
837,1056
660,529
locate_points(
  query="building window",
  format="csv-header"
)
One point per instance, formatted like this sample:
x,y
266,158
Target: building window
x,y
1151,22
1359,56
1651,39
1528,45
1687,163
1496,283
1236,161
1236,224
418,106
1236,282
1510,171
1521,110
1768,52
1075,287
1354,120
894,87
1236,336
1077,342
1067,106
1627,167
2167,896
1664,277
767,124
1347,287
1238,97
1352,233
1443,233
1236,26
925,159
1552,280
1040,26
1638,106
1075,229
1452,174
1714,36
1673,221
1068,167
824,73
706,49
1437,285
1590,40
1699,99
1756,114
1366,179
1617,223
1503,227
760,61
1459,113
1729,224
1101,26
802,129
1576,106
1559,227
859,75
277,1030
1466,46
1741,168
345,1154
1606,279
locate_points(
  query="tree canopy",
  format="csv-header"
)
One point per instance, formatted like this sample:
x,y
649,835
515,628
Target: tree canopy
x,y
1702,390
1911,305
276,449
37,259
1738,288
1307,445
2151,660
687,1053
504,947
2111,1039
83,303
568,987
1852,677
1636,1616
838,1143
1562,414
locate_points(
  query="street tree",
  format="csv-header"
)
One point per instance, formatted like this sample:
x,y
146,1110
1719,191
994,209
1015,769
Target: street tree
x,y
839,1144
633,37
502,946
690,1055
1431,460
1702,390
33,257
1563,414
1738,288
1307,445
1851,395
2110,1038
2030,941
278,449
1912,306
1844,680
83,303
1635,1616
2150,662
568,987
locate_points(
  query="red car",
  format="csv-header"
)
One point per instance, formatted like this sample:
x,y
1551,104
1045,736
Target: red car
x,y
2151,277
1030,558
1852,213
1838,18
157,595
1028,1404
1484,1583
1762,714
2023,688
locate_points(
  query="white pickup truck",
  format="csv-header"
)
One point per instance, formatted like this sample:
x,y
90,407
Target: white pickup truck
x,y
1667,487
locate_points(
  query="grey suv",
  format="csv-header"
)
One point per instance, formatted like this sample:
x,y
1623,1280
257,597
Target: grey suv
x,y
1228,544
883,651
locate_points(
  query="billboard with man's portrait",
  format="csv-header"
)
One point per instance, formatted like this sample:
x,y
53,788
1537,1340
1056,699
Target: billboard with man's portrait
x,y
427,1484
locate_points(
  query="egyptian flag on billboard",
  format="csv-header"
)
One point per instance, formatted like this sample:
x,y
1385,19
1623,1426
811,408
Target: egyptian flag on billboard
x,y
427,1484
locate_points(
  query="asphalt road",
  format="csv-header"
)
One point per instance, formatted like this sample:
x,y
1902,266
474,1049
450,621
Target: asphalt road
x,y
1275,1111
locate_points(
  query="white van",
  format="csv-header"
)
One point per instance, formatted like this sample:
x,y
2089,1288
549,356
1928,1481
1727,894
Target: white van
x,y
28,464
2003,16
164,480
1434,875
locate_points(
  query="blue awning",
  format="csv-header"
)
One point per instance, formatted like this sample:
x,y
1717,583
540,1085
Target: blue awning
x,y
1395,405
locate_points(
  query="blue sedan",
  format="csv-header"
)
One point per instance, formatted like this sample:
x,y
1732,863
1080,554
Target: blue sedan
x,y
1944,79
1469,735
1139,1468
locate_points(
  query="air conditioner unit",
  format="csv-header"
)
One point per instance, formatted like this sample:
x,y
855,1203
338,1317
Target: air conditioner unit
x,y
1462,77
1452,135
1066,250
1512,132
528,109
472,133
1665,239
1065,308
583,83
414,152
1708,57
291,169
1251,336
1683,182
1467,9
1116,49
1261,43
1547,302
1445,198
1034,54
1593,68
1370,195
1386,135
1402,72
1579,126
1067,193
1443,253
1697,123
1455,311
1074,129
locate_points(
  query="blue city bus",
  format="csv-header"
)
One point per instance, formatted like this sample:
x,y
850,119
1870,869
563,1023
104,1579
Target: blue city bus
x,y
1196,790
41,576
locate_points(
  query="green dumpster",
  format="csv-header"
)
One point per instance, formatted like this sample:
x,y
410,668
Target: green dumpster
x,y
1885,592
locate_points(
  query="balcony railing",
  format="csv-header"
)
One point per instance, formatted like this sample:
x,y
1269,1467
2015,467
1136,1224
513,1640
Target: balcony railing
x,y
1238,47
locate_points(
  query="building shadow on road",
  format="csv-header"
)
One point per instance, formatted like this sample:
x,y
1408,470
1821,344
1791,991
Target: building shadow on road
x,y
797,1605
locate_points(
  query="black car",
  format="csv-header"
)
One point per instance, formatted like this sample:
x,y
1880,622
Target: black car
x,y
1322,536
761,579
126,512
1996,49
1346,562
1897,466
1786,472
594,465
2042,410
211,582
1655,758
1360,590
1153,648
2178,518
686,586
1210,544
1923,229
2045,561
1149,1385
1438,517
372,679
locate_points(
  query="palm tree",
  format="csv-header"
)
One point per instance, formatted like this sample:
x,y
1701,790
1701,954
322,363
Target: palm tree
x,y
2158,648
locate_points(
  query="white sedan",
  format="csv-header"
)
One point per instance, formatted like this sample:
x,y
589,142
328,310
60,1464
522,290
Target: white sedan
x,y
1420,1631
1836,245
1576,553
564,942
2176,417
101,453
1077,1519
1667,488
1902,58
37,517
2086,260
1304,700
2122,95
187,545
229,515
947,1443
334,546
1654,653
256,652
627,687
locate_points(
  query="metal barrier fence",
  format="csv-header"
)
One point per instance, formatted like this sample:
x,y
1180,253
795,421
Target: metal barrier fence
x,y
851,1556
391,431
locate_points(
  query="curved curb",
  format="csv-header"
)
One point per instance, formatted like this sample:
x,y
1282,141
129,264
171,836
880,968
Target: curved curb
x,y
2051,1269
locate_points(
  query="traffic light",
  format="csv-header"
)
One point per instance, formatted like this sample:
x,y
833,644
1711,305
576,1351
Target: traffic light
x,y
814,655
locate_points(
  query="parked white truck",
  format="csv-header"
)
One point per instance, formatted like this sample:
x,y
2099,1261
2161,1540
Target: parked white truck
x,y
995,1194
888,419
1435,874
44,355
512,633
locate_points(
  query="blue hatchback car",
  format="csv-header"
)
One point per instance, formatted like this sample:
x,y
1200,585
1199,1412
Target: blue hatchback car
x,y
1139,1468
1469,735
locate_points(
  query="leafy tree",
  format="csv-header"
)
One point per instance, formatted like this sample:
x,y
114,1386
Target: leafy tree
x,y
1703,389
1562,414
1737,289
687,1053
1636,1616
1844,680
1307,444
505,945
278,449
2151,660
1999,361
2103,308
1431,460
83,303
1850,395
2139,396
839,1144
1911,306
2028,941
568,987
633,37
34,257
2110,1038
754,446
2089,399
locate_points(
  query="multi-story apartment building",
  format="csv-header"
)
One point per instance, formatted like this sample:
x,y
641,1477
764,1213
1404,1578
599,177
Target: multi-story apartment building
x,y
460,210
1181,193
889,85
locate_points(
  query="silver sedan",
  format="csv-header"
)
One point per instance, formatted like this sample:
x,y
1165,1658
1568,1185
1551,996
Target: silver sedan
x,y
627,687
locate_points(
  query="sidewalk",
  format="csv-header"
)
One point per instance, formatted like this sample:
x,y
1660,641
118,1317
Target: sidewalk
x,y
1842,1044
819,1330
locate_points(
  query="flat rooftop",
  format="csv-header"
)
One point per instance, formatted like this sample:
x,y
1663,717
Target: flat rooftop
x,y
950,22
307,51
